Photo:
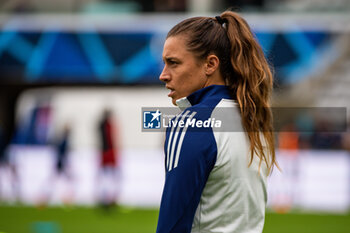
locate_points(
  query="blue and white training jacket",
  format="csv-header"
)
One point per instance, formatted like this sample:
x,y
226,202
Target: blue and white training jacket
x,y
209,186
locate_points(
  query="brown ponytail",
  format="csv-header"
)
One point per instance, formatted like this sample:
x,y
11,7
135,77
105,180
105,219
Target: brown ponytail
x,y
245,69
252,82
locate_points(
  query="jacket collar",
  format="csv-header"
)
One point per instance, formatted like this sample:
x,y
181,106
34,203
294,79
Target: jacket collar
x,y
210,92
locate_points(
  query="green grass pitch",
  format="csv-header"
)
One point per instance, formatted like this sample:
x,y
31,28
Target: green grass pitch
x,y
19,219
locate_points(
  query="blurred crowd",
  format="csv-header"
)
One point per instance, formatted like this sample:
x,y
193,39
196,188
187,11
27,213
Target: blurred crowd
x,y
122,6
320,131
319,139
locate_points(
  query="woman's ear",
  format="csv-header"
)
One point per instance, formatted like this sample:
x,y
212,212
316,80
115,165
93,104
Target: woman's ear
x,y
212,64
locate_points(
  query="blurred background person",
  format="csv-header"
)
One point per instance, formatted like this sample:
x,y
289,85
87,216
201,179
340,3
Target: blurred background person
x,y
61,174
3,161
108,180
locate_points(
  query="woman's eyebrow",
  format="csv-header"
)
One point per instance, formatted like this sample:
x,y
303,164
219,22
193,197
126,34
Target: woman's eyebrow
x,y
172,60
169,58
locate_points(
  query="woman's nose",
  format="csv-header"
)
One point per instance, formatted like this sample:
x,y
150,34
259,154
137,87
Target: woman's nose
x,y
164,76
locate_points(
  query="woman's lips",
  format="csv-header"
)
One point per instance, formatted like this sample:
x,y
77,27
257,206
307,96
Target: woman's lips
x,y
171,93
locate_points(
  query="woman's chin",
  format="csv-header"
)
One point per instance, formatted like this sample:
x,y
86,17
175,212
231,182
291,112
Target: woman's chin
x,y
174,101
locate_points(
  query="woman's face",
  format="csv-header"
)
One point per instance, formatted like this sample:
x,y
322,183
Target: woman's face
x,y
183,74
